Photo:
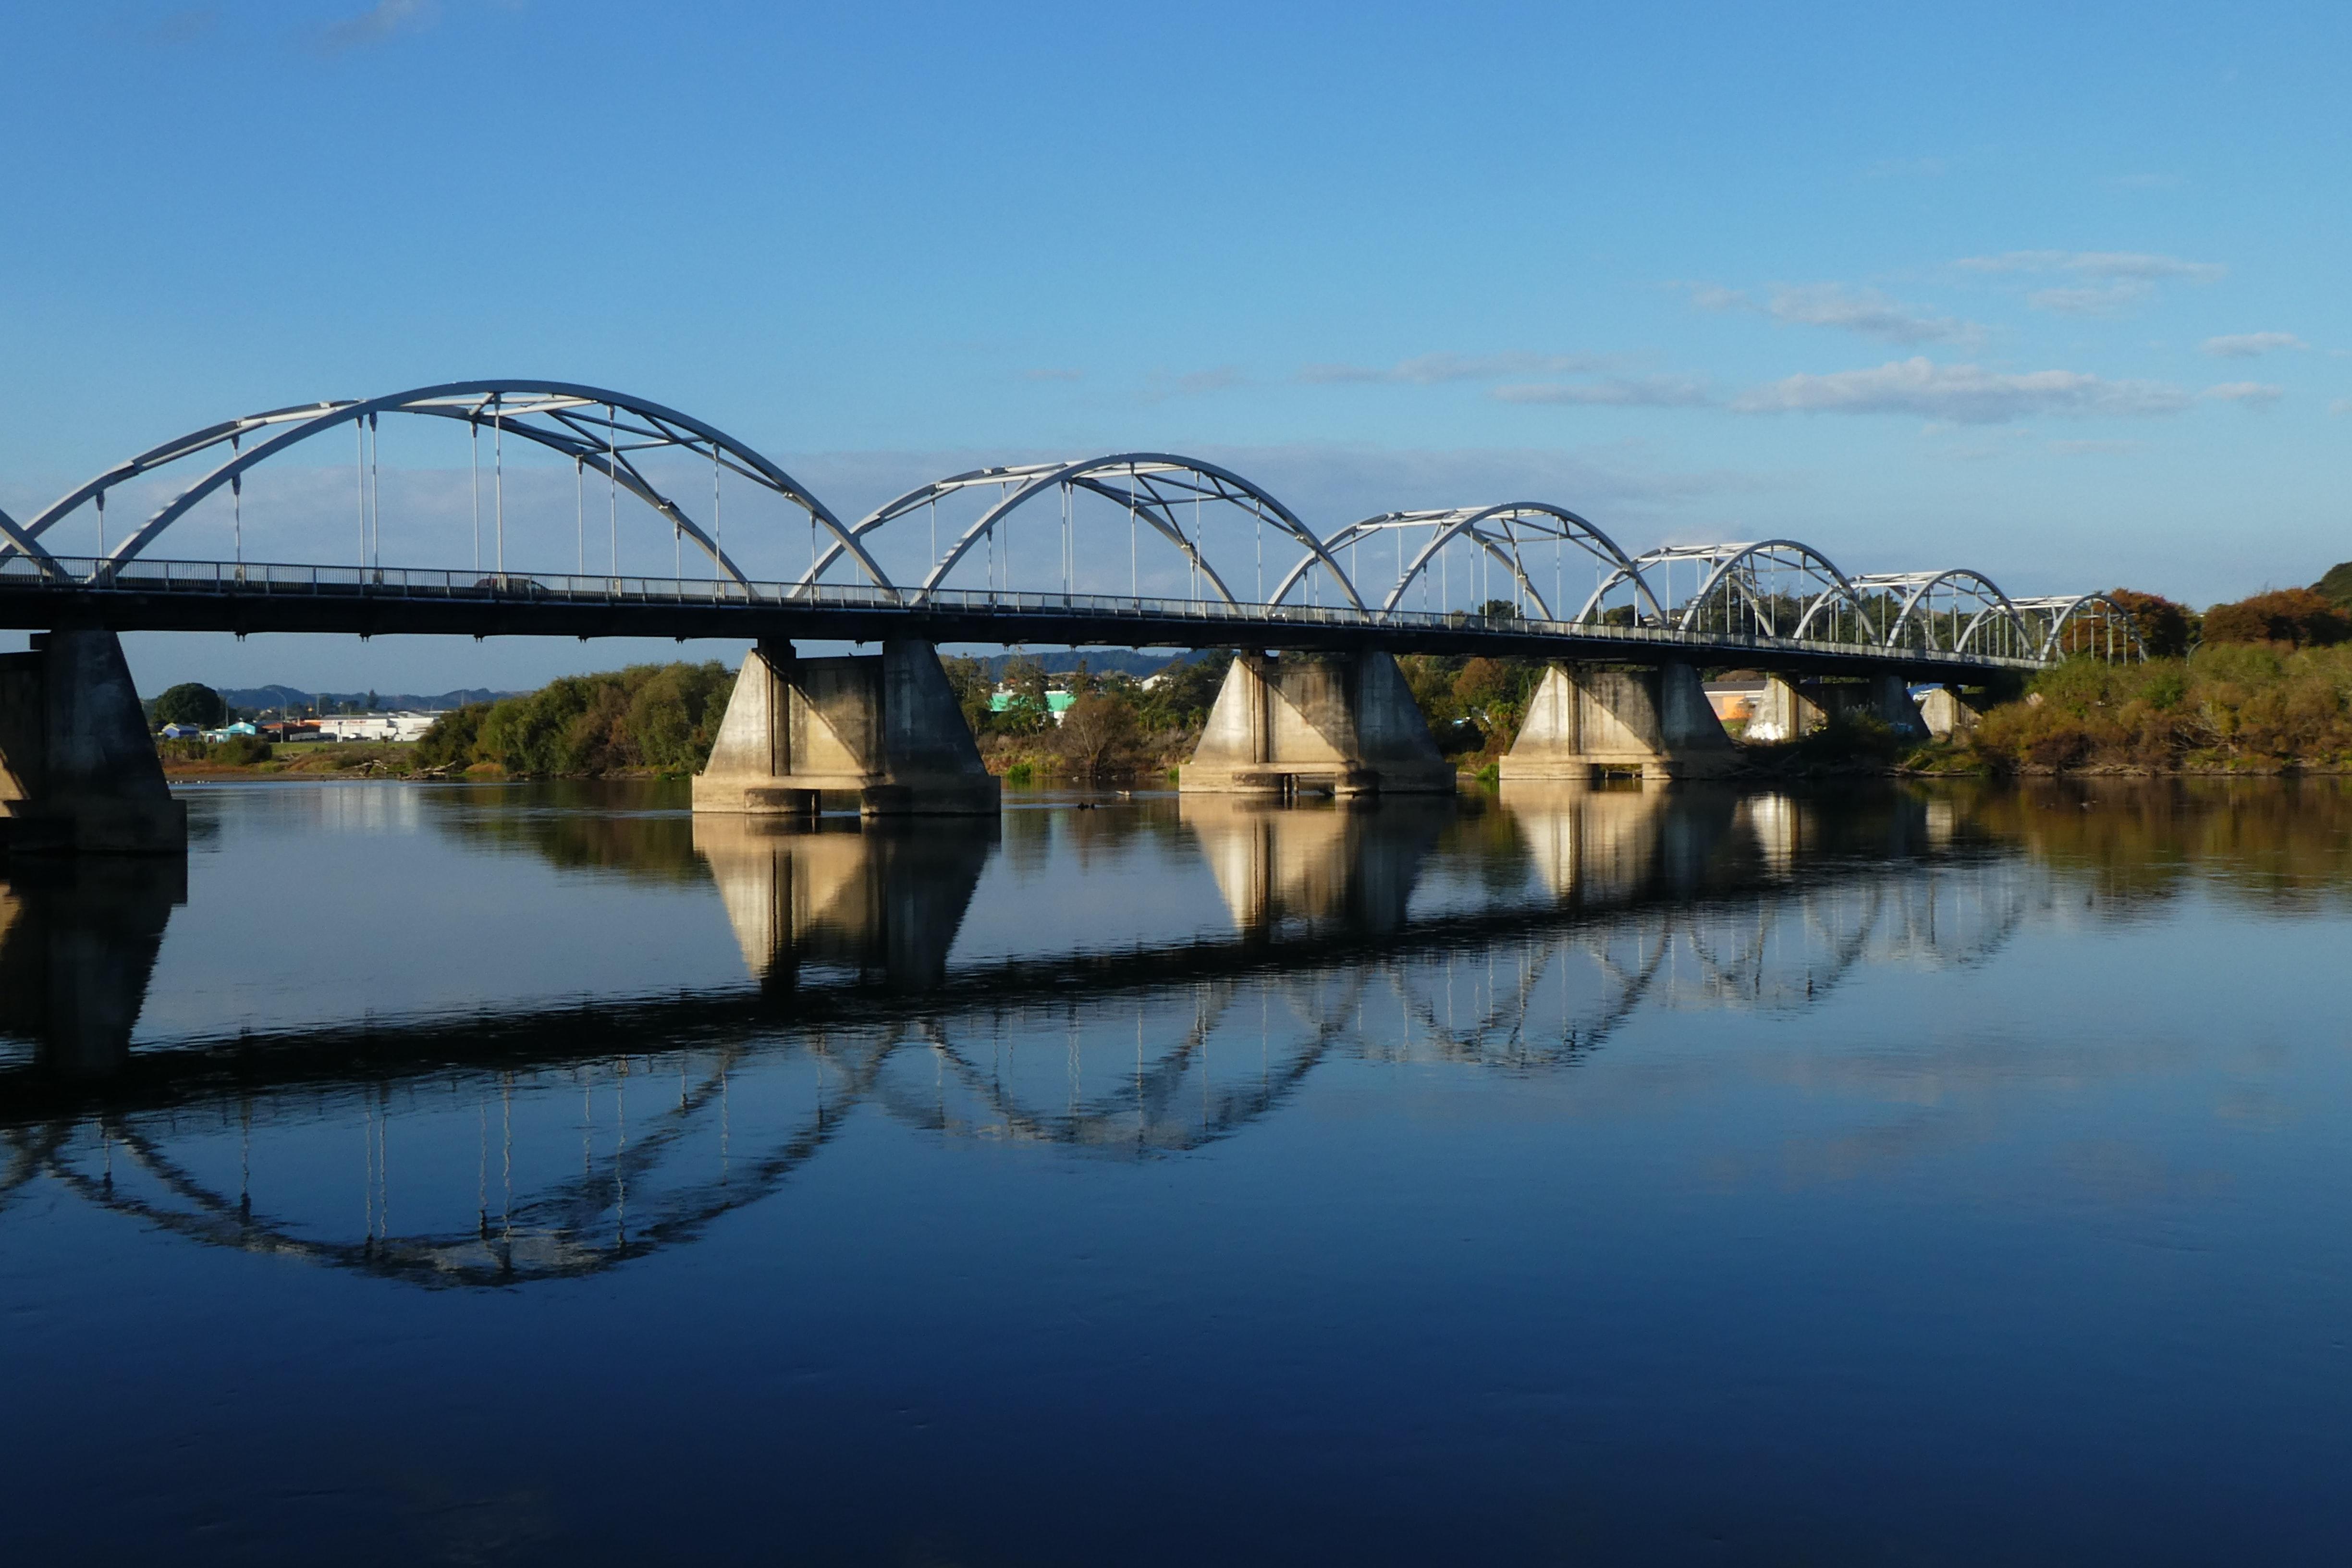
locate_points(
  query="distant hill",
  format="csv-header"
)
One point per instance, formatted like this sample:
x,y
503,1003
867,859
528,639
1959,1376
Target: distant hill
x,y
2338,584
256,698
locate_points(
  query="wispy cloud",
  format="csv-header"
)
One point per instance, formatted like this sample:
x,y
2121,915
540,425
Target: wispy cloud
x,y
1616,391
2109,263
1964,393
2101,299
1843,306
1161,387
2341,405
1053,373
2250,346
2246,393
1429,370
385,19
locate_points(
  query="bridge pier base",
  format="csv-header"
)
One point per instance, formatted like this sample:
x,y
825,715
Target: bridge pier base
x,y
79,772
1791,709
884,728
1583,723
1948,714
1280,725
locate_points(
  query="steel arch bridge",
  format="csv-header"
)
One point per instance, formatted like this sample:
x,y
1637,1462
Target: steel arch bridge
x,y
1773,602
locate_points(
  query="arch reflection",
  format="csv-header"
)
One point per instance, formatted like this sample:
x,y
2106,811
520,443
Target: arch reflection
x,y
531,1143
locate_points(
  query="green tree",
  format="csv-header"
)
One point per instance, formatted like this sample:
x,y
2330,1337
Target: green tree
x,y
2164,626
1030,710
1184,691
973,687
1098,734
191,703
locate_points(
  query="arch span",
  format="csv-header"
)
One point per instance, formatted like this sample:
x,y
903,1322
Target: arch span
x,y
1501,530
600,429
2084,615
1153,488
1769,587
1956,610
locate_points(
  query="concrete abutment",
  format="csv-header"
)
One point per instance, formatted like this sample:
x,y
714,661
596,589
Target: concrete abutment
x,y
1790,709
79,772
885,728
1347,721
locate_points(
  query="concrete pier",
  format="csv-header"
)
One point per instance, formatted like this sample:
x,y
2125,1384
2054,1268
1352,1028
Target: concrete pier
x,y
1347,722
1790,709
1947,712
1584,722
885,728
79,772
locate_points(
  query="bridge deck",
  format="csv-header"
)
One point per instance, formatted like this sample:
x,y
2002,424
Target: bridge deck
x,y
214,596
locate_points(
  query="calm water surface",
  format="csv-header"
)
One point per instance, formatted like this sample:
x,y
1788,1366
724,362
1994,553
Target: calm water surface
x,y
535,1174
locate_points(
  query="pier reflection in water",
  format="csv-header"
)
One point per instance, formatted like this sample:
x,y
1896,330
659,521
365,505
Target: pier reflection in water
x,y
1522,932
1070,1035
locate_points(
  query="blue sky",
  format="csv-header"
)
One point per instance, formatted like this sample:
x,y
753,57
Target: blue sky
x,y
2054,291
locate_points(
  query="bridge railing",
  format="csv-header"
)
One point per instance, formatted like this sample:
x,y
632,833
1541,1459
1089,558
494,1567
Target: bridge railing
x,y
20,575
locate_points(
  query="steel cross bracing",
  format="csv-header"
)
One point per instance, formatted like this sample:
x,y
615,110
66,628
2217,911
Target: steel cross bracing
x,y
1521,565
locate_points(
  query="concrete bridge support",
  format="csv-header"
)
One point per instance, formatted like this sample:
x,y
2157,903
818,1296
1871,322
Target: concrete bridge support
x,y
79,772
883,727
1790,709
1947,713
1586,721
1304,720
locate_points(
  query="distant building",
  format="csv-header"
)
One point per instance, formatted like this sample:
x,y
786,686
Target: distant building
x,y
183,731
227,731
1004,700
400,726
1735,700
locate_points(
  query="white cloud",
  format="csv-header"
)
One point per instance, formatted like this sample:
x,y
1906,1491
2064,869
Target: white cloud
x,y
1864,311
1965,394
2248,394
2341,405
1840,305
2110,264
2248,345
383,20
2104,300
1429,370
1619,391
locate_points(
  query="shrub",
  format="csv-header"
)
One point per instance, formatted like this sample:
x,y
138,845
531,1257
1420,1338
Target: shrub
x,y
2296,617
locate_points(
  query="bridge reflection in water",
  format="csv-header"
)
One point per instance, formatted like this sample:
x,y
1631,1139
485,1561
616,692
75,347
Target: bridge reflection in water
x,y
499,1147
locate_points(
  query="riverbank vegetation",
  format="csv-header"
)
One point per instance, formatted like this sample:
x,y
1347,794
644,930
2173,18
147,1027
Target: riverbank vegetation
x,y
647,718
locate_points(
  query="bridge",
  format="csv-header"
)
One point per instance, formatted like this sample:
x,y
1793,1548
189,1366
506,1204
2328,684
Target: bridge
x,y
1317,699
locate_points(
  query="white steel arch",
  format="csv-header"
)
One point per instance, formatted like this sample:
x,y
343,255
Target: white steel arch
x,y
2054,614
1152,485
1955,610
599,428
1502,531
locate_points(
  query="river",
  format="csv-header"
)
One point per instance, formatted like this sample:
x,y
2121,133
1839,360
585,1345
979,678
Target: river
x,y
532,1174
